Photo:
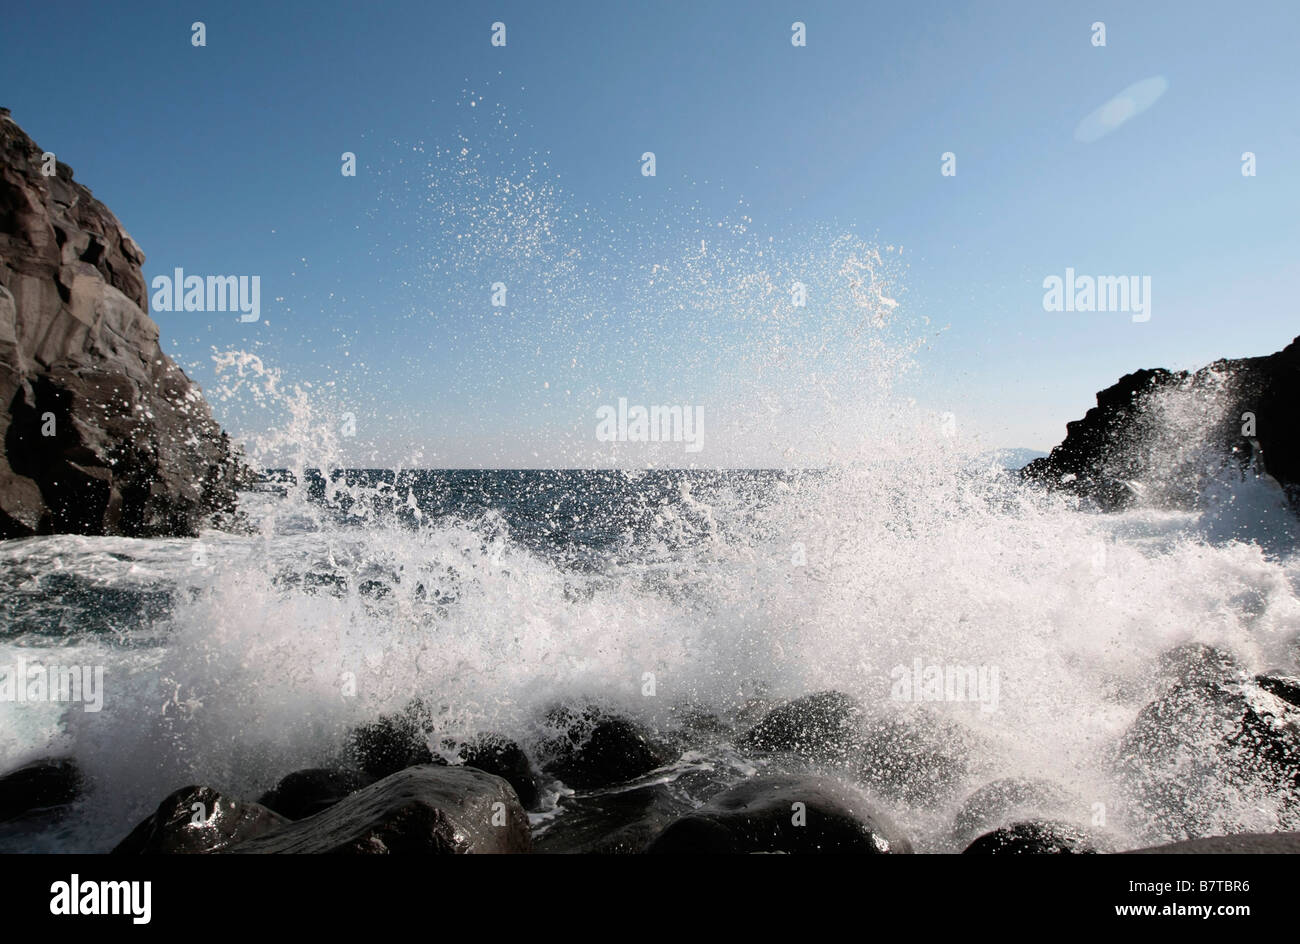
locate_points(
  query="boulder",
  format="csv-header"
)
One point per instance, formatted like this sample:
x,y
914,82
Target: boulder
x,y
305,793
1035,837
1285,687
39,786
589,748
616,822
915,757
784,813
1200,743
1197,663
198,820
1239,844
1011,800
498,755
101,432
823,727
395,742
425,810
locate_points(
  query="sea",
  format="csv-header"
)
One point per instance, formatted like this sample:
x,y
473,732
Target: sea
x,y
232,659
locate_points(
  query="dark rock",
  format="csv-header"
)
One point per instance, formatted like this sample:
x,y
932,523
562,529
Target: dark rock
x,y
918,758
761,815
611,822
395,742
502,757
694,726
1201,742
591,748
1285,687
102,433
426,810
1011,800
1239,844
305,793
1092,459
1034,838
824,727
1120,440
1197,663
197,820
38,786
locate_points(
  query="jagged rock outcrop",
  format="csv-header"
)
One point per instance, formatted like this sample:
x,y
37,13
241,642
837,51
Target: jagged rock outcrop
x,y
1166,431
102,433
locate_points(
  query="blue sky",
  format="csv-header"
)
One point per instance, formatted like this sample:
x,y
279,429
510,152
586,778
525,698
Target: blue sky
x,y
226,160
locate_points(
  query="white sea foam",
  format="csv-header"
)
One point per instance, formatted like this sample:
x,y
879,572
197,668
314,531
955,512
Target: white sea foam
x,y
904,547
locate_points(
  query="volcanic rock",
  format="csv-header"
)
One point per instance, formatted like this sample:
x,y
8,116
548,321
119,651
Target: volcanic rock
x,y
102,433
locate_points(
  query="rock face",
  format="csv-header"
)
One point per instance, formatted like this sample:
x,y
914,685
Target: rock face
x,y
784,813
198,820
102,432
426,810
1118,441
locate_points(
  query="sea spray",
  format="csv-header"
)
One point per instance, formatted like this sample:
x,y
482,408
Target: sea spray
x,y
494,595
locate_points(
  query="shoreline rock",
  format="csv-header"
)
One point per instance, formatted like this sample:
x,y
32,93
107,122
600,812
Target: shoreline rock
x,y
198,820
784,813
428,810
1111,445
39,786
102,432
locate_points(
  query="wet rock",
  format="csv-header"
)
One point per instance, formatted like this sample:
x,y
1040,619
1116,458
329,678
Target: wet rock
x,y
1095,458
1197,663
1239,844
1113,444
39,786
395,742
784,813
1035,837
1285,687
694,726
820,727
917,758
615,822
1011,800
1199,743
425,810
198,820
305,793
101,432
592,748
502,757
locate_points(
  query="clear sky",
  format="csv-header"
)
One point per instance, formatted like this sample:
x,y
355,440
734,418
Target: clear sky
x,y
226,159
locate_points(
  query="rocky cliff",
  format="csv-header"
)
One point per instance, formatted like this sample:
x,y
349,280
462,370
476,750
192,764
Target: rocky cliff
x,y
102,433
1164,432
